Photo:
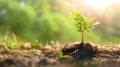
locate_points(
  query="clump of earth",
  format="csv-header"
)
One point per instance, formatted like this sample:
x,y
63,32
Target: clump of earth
x,y
87,55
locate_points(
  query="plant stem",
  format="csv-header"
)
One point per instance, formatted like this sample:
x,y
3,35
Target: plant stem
x,y
82,37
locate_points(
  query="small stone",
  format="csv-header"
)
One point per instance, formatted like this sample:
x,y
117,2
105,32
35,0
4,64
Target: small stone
x,y
5,51
8,61
27,46
46,61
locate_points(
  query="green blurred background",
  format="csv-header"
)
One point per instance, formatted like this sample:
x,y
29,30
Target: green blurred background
x,y
50,20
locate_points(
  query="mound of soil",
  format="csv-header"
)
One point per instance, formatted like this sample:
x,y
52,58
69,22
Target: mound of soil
x,y
84,55
80,51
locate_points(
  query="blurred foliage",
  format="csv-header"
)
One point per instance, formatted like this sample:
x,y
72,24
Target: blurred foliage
x,y
16,18
49,20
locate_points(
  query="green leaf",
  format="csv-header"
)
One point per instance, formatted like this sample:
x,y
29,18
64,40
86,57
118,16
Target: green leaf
x,y
91,19
96,23
61,56
35,43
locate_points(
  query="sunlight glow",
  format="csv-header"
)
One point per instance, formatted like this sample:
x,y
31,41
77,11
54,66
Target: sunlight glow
x,y
100,4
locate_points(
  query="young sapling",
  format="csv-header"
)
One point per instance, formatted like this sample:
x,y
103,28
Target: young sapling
x,y
83,24
81,50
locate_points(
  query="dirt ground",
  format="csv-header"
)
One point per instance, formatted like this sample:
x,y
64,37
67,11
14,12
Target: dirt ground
x,y
105,56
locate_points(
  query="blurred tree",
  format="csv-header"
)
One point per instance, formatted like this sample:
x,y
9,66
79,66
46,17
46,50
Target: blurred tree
x,y
50,19
15,17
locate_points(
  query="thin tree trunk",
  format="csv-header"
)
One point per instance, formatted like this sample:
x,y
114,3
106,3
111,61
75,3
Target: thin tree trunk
x,y
82,37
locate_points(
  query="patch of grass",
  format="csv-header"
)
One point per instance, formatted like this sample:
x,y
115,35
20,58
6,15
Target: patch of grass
x,y
35,43
13,43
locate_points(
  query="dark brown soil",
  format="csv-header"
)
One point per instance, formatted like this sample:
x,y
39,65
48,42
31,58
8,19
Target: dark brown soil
x,y
80,51
83,55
